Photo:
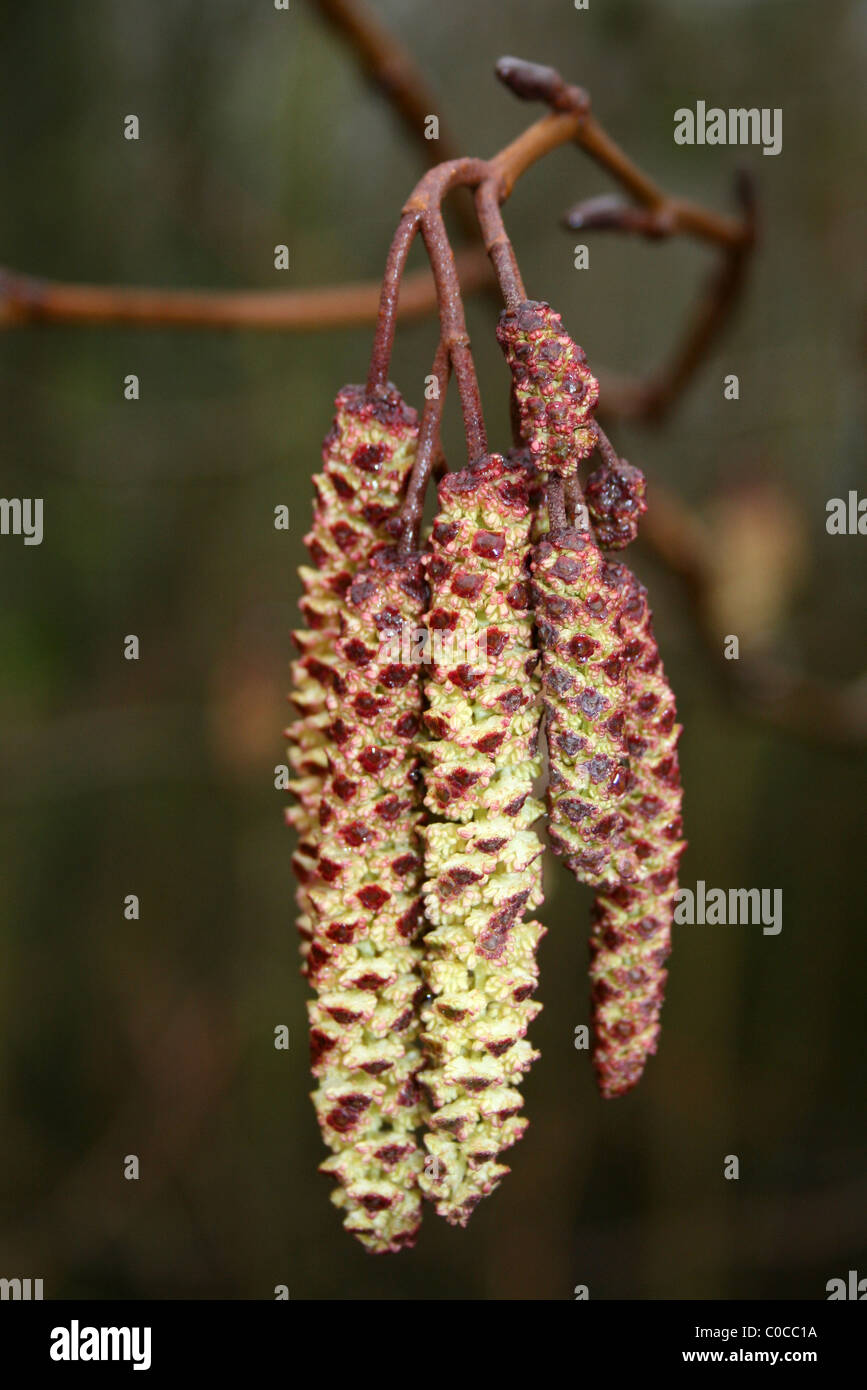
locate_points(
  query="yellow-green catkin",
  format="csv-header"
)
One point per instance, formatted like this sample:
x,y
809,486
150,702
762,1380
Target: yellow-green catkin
x,y
482,855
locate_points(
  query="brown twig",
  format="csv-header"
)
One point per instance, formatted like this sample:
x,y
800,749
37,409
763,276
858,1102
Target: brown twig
x,y
25,299
453,329
498,244
426,453
393,70
395,265
606,448
653,398
712,313
533,82
556,504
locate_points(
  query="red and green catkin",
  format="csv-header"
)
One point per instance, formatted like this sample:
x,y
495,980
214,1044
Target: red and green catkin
x,y
482,857
554,391
367,457
366,911
631,923
586,705
615,495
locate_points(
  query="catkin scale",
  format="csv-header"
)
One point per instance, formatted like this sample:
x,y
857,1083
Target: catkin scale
x,y
366,913
367,457
482,858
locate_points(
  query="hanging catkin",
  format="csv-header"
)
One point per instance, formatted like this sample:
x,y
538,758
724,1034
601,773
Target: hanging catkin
x,y
554,391
615,496
482,861
585,700
367,457
631,933
366,909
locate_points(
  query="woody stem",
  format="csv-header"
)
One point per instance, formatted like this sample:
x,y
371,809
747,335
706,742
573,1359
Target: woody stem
x,y
426,452
453,329
556,505
383,340
498,244
605,447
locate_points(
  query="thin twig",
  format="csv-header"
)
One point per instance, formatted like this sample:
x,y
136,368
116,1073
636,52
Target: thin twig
x,y
498,244
400,79
426,452
453,328
605,447
556,504
713,311
25,299
383,341
533,82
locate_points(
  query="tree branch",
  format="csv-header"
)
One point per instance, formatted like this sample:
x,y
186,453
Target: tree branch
x,y
653,398
25,299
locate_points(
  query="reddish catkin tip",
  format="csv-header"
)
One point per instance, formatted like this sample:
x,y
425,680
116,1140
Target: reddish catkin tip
x,y
555,393
615,494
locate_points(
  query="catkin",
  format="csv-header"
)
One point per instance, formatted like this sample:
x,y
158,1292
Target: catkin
x,y
554,391
615,495
482,858
366,911
367,457
631,931
585,701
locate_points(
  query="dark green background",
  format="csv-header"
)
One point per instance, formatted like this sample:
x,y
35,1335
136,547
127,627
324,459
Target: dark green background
x,y
156,777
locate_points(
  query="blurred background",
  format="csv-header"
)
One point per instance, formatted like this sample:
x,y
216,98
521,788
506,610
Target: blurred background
x,y
155,1037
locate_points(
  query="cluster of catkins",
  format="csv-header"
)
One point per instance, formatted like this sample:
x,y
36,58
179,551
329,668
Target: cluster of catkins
x,y
422,684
